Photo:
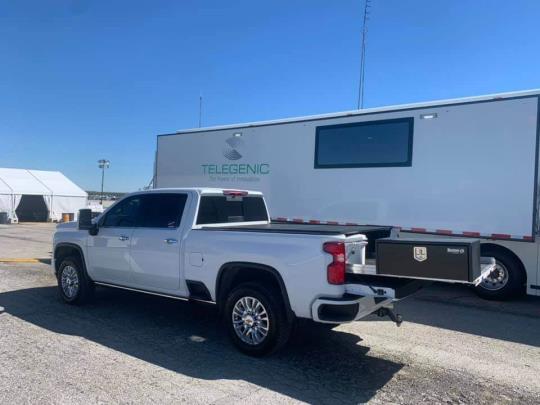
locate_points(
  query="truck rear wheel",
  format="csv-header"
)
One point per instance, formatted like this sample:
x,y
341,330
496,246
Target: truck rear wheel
x,y
507,279
256,320
73,284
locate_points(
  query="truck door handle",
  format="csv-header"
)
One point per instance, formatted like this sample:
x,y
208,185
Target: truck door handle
x,y
123,237
170,241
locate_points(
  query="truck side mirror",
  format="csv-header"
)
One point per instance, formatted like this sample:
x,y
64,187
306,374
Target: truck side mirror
x,y
85,221
94,229
85,218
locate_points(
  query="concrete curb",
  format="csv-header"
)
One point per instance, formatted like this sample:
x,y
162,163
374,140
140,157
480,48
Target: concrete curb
x,y
25,260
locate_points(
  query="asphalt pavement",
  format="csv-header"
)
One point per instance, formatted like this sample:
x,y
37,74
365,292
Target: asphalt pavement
x,y
132,348
32,240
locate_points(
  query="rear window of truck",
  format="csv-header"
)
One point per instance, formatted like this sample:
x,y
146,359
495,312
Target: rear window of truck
x,y
224,209
383,143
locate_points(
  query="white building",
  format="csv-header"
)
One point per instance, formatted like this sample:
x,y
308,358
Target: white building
x,y
37,195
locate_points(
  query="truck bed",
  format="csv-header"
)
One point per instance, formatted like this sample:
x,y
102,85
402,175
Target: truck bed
x,y
309,229
372,232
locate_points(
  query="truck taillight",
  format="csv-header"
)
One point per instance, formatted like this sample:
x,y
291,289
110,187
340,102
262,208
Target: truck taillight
x,y
336,270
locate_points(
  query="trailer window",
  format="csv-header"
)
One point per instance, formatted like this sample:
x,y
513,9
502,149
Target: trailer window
x,y
220,210
365,144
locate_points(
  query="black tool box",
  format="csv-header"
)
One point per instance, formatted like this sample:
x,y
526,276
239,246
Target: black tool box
x,y
442,259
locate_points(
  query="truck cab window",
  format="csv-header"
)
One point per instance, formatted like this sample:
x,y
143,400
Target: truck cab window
x,y
220,210
162,210
124,214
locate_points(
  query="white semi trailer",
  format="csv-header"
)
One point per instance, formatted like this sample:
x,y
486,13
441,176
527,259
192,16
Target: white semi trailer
x,y
453,168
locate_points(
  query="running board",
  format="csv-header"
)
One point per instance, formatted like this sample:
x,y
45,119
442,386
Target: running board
x,y
174,297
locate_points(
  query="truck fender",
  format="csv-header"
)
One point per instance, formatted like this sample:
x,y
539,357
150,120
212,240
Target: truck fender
x,y
70,246
228,271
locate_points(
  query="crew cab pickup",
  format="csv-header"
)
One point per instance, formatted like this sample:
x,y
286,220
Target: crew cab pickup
x,y
219,246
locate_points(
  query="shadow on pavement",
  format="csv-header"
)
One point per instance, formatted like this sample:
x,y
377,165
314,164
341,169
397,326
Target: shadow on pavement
x,y
457,308
318,366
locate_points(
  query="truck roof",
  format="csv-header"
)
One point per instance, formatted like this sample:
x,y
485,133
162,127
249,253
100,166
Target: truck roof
x,y
201,190
398,107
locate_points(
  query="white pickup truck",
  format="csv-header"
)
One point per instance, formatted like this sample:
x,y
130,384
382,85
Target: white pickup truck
x,y
219,246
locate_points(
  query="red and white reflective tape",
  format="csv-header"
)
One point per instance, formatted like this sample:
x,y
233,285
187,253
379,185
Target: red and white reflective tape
x,y
448,232
470,234
312,221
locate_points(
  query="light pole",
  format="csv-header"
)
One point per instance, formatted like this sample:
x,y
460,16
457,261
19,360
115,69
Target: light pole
x,y
363,56
103,164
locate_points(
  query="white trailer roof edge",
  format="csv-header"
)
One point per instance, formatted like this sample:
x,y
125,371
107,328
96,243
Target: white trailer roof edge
x,y
368,111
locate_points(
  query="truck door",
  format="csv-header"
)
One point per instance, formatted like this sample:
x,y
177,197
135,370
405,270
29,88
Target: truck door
x,y
108,251
157,241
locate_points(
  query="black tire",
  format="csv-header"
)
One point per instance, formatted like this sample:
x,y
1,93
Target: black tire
x,y
502,286
70,271
279,327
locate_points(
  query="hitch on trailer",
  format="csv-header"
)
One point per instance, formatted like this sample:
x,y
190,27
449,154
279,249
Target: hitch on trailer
x,y
397,318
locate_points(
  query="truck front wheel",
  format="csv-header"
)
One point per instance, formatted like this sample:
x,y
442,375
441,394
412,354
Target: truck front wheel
x,y
256,320
73,284
506,281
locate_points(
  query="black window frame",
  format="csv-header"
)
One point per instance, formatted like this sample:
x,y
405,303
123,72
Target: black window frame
x,y
140,222
207,197
109,211
407,163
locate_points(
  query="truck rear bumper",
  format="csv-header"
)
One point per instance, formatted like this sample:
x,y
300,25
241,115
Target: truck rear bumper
x,y
346,309
363,297
365,294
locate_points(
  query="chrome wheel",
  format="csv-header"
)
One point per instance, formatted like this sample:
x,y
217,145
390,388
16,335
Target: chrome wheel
x,y
497,279
250,320
70,281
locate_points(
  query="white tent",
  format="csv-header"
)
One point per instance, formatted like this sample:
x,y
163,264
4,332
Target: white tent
x,y
60,195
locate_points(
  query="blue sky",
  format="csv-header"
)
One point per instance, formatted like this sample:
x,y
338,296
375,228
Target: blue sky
x,y
82,80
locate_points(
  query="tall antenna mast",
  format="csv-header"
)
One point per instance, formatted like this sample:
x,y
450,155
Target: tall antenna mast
x,y
200,109
363,57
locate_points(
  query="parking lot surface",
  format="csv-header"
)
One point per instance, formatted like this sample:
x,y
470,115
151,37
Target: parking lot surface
x,y
126,347
26,240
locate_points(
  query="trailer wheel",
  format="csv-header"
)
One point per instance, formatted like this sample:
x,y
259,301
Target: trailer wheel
x,y
256,320
507,279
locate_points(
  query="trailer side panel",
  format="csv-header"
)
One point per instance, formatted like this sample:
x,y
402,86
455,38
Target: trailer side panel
x,y
470,169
